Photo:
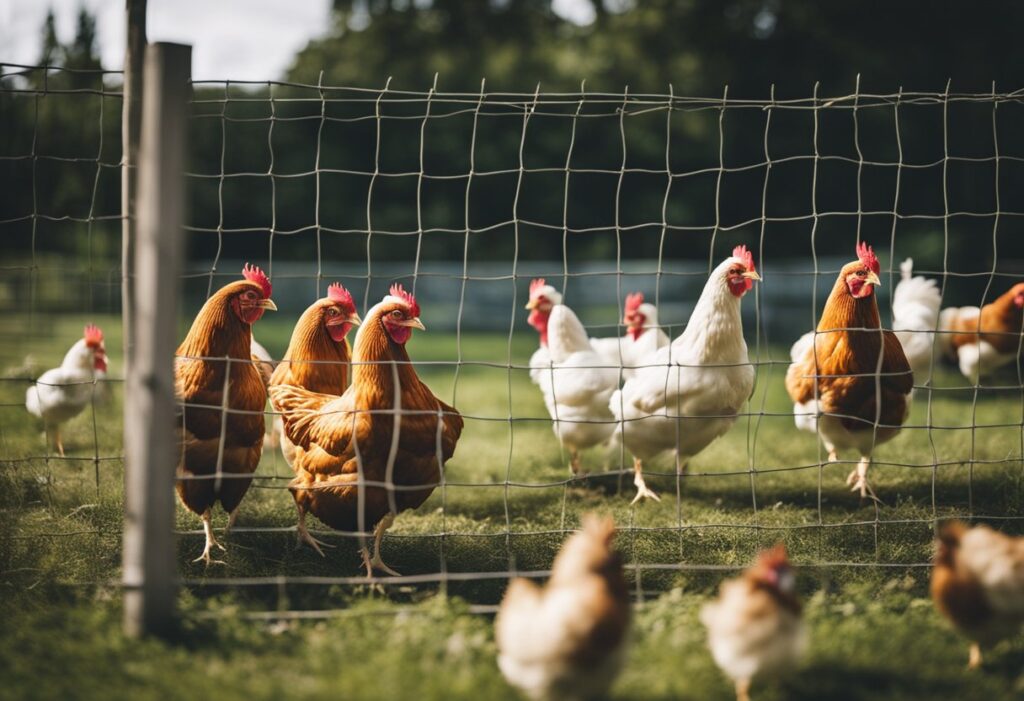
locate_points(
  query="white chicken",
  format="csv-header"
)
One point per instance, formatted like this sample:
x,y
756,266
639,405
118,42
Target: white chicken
x,y
265,364
576,382
688,393
60,394
915,316
754,626
643,336
567,639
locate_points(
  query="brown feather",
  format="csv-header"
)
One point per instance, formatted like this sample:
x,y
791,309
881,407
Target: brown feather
x,y
999,324
336,434
843,362
200,371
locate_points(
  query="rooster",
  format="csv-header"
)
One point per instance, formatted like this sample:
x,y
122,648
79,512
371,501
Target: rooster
x,y
213,453
576,382
754,626
983,340
60,394
688,393
567,639
643,336
915,315
978,583
850,380
378,449
318,354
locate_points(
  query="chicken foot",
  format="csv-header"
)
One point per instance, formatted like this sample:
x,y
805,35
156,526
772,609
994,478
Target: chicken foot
x,y
642,490
858,479
375,562
211,541
302,534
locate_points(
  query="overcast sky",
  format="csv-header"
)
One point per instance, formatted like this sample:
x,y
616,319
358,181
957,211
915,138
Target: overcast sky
x,y
236,39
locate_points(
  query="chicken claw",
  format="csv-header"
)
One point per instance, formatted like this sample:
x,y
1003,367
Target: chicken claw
x,y
858,480
576,465
302,535
375,562
211,541
642,490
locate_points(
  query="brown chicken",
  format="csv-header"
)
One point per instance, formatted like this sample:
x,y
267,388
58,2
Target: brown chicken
x,y
361,462
213,454
318,354
983,340
566,640
850,381
754,626
978,583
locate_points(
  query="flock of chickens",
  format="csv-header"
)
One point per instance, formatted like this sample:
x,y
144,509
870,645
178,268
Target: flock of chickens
x,y
367,439
851,382
567,640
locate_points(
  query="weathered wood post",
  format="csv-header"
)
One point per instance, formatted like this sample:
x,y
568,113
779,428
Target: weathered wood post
x,y
151,451
131,126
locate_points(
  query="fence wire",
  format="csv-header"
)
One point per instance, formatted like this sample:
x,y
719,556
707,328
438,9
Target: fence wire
x,y
494,189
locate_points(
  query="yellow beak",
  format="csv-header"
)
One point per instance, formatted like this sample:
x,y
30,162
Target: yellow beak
x,y
751,275
354,319
414,323
873,279
267,304
533,304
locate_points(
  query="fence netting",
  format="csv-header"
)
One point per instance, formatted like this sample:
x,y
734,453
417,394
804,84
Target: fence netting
x,y
464,198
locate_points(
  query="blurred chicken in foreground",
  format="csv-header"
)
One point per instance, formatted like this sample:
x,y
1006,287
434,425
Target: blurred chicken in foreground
x,y
754,626
978,583
566,640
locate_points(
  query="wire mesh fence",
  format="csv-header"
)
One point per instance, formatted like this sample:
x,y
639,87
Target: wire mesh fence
x,y
465,198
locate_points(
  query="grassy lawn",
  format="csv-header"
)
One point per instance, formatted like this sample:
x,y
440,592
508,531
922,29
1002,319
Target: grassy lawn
x,y
505,503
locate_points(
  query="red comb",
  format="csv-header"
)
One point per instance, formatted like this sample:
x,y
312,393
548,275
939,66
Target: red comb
x,y
92,334
633,301
337,293
398,291
254,274
745,256
868,258
535,286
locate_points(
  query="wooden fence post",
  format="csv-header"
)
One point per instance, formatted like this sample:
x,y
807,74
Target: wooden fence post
x,y
131,126
151,450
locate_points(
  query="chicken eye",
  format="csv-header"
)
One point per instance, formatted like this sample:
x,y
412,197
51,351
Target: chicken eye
x,y
332,312
861,273
396,314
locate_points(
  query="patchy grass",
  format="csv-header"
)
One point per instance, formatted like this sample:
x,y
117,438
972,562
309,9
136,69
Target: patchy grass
x,y
506,501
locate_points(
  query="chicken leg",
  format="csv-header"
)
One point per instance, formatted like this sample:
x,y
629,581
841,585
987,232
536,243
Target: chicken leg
x,y
303,535
57,441
575,464
375,562
743,690
642,490
858,479
974,660
210,542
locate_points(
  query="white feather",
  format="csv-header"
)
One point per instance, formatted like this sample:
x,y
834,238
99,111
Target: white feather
x,y
915,314
689,392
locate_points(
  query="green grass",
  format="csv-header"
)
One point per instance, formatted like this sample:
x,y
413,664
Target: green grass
x,y
505,503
